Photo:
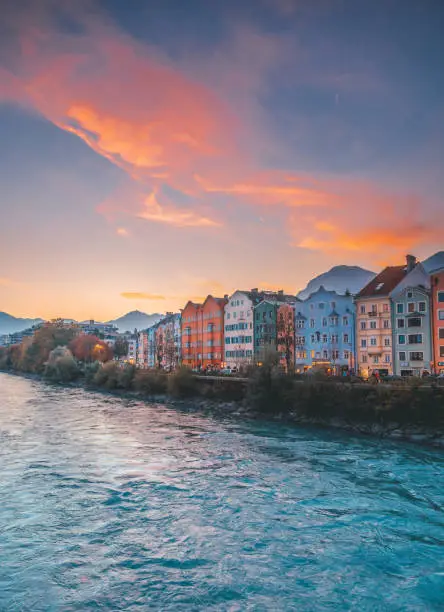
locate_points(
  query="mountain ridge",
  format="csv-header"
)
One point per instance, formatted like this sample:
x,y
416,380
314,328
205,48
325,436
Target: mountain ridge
x,y
341,279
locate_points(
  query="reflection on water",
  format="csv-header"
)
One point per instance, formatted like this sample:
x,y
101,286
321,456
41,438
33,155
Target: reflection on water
x,y
117,505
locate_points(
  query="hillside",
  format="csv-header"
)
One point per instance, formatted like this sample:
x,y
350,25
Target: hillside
x,y
10,324
135,320
339,279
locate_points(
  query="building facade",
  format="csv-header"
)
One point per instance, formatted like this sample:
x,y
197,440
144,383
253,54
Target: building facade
x,y
286,335
411,324
168,342
238,328
437,315
265,329
324,332
203,333
374,320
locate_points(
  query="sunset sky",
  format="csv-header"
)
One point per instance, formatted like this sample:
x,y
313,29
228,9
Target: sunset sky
x,y
155,150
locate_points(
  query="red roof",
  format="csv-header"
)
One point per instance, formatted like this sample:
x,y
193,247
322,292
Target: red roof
x,y
384,283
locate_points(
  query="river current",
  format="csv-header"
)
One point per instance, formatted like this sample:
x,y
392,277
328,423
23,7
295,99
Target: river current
x,y
114,504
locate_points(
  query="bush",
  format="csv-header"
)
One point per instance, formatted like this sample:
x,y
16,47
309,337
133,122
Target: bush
x,y
125,376
269,390
182,383
61,366
107,376
150,382
90,370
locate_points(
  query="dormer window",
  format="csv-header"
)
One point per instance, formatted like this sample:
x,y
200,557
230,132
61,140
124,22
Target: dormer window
x,y
379,286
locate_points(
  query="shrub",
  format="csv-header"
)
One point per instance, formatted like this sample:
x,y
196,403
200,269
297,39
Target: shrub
x,y
61,366
269,389
125,376
150,382
90,370
182,383
107,376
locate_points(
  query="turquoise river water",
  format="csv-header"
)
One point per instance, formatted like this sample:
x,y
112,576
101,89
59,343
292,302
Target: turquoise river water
x,y
113,504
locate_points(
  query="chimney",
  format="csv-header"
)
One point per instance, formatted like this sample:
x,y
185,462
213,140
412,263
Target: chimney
x,y
281,292
255,290
411,262
226,296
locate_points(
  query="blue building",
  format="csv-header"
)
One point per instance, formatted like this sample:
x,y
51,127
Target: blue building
x,y
325,332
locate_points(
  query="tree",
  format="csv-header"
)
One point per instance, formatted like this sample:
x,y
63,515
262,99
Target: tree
x,y
61,365
90,348
286,337
120,348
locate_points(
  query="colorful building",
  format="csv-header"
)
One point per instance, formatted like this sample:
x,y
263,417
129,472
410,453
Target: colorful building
x,y
151,348
286,335
324,332
411,324
168,342
437,316
203,333
374,320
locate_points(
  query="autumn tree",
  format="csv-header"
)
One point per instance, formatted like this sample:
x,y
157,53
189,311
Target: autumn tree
x,y
90,348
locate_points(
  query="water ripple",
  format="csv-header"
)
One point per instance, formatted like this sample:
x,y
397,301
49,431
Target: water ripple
x,y
113,504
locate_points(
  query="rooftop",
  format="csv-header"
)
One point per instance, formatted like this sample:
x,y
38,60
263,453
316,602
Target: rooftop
x,y
384,283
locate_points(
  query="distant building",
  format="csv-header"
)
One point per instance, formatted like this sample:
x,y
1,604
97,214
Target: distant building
x,y
286,335
168,341
437,315
95,328
324,332
265,329
374,320
411,324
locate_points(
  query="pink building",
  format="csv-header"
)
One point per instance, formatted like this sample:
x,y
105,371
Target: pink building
x,y
437,281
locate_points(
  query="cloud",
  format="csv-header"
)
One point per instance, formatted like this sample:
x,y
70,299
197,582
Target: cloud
x,y
138,295
162,126
6,282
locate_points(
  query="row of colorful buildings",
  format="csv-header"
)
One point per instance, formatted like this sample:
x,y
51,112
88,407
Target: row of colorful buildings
x,y
394,325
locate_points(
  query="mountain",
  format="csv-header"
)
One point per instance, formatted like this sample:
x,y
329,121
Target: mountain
x,y
135,320
10,324
434,262
339,279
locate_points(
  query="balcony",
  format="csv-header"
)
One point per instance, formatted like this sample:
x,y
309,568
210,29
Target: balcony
x,y
373,313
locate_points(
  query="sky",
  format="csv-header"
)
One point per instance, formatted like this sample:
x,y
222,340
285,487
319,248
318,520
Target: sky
x,y
158,150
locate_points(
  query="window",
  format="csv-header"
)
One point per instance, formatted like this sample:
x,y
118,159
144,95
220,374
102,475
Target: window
x,y
335,354
346,340
376,359
441,315
399,308
400,323
401,339
363,325
414,322
227,340
300,324
385,308
345,321
234,315
333,305
346,354
321,305
312,322
387,358
313,338
373,341
334,321
363,342
410,295
374,309
402,355
228,315
441,296
417,356
415,338
379,286
364,358
324,338
324,322
411,307
363,307
441,333
386,324
311,306
372,324
421,306
386,341
325,354
441,351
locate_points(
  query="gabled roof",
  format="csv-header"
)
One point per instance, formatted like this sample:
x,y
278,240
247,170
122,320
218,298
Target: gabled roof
x,y
384,283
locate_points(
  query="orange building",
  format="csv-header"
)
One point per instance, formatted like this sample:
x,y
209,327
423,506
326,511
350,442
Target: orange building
x,y
203,333
437,278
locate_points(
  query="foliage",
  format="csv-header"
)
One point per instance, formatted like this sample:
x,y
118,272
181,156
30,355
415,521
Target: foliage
x,y
88,348
90,370
107,376
150,382
182,383
61,366
268,387
120,348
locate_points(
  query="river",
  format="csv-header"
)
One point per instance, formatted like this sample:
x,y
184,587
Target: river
x,y
114,504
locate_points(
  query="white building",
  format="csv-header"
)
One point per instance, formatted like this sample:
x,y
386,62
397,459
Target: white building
x,y
239,327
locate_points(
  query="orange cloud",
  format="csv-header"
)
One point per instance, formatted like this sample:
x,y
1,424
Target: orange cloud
x,y
122,231
137,295
153,211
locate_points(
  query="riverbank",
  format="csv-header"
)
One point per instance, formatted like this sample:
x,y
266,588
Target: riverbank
x,y
413,414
